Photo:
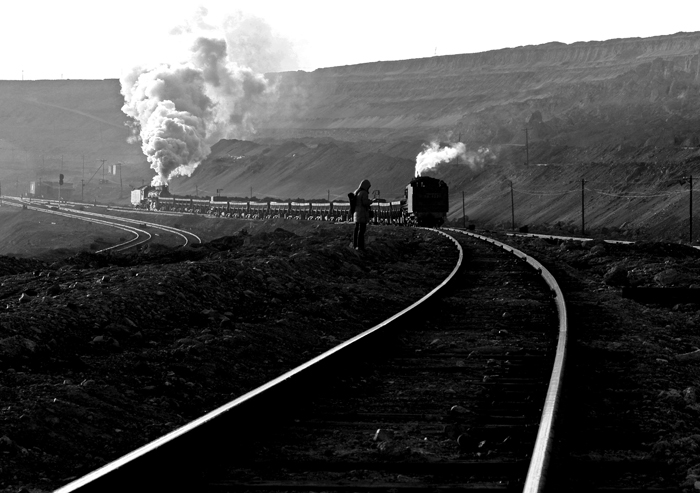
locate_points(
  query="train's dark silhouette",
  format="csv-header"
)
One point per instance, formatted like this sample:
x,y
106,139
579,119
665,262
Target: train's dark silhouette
x,y
425,203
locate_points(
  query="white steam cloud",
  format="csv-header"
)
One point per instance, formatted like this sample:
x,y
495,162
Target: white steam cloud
x,y
433,154
181,110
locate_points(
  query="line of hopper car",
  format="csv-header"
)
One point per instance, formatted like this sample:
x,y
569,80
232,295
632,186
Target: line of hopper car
x,y
425,203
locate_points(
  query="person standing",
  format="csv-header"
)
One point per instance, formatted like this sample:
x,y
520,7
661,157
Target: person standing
x,y
361,217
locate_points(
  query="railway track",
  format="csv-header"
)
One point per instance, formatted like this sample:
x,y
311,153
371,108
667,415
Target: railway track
x,y
141,236
455,392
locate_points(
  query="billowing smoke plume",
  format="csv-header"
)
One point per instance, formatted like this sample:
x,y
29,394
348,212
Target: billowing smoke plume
x,y
249,39
433,154
181,110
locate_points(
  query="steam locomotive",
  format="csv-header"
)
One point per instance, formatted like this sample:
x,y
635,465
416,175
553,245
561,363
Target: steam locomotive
x,y
425,203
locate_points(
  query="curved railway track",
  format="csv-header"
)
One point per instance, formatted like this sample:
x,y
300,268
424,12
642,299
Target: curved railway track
x,y
458,391
141,236
185,235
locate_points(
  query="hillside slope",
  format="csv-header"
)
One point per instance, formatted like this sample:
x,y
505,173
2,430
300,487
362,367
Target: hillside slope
x,y
624,91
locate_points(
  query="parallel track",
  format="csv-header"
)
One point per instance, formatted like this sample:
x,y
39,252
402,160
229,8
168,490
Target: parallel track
x,y
448,394
140,236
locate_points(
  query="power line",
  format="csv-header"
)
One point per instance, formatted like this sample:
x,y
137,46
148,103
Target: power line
x,y
542,192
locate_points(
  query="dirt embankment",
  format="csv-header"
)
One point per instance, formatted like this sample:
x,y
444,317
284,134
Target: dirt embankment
x,y
100,354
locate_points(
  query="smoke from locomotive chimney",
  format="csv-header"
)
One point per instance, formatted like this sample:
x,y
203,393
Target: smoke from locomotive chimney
x,y
433,154
180,110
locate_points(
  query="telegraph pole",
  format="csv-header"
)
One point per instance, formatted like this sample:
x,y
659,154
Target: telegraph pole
x,y
691,209
464,217
512,208
583,229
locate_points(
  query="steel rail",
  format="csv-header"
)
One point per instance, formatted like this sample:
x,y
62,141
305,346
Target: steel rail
x,y
535,481
129,229
87,482
170,229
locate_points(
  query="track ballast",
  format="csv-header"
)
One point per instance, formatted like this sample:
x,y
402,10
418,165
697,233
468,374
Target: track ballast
x,y
448,397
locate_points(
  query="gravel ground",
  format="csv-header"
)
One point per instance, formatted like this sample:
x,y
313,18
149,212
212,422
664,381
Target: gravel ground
x,y
101,354
634,366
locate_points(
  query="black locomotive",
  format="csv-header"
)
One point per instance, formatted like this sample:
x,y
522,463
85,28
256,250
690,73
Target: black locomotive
x,y
426,201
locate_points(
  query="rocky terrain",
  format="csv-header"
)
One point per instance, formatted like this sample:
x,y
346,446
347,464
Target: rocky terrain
x,y
100,354
633,363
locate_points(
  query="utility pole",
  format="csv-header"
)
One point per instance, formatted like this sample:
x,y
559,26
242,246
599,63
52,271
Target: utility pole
x,y
583,224
512,208
103,169
464,216
691,209
121,185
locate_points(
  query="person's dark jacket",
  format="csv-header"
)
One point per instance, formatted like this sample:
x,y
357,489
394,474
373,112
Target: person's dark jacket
x,y
362,202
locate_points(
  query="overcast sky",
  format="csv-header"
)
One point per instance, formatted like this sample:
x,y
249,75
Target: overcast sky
x,y
73,39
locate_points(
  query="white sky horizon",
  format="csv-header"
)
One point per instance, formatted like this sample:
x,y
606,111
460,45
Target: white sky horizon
x,y
79,39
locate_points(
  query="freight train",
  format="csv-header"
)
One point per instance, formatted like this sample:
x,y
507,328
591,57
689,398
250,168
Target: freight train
x,y
425,203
